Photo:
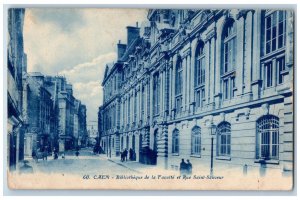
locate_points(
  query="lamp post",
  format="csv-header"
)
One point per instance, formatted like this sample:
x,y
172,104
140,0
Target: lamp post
x,y
212,133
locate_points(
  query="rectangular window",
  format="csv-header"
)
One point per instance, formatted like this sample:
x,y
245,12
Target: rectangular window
x,y
135,107
128,109
178,104
202,97
143,103
275,30
198,98
281,69
202,68
232,79
269,74
225,89
196,145
156,94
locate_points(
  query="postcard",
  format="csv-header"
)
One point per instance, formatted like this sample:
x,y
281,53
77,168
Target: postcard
x,y
150,99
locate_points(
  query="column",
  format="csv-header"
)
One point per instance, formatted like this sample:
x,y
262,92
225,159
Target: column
x,y
207,48
150,97
188,81
162,92
171,88
218,52
256,72
192,75
212,72
240,47
184,83
248,48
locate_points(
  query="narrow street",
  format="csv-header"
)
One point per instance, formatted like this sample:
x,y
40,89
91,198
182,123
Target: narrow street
x,y
86,163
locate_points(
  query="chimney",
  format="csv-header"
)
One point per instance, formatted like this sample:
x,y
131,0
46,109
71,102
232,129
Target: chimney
x,y
132,33
121,49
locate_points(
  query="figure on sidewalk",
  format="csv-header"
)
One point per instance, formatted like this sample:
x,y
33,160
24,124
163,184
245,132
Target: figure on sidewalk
x,y
125,154
77,153
45,154
183,167
189,167
122,156
130,154
55,154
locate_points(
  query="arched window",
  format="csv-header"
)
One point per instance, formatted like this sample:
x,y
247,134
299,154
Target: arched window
x,y
224,139
267,128
178,85
175,142
200,75
228,59
196,141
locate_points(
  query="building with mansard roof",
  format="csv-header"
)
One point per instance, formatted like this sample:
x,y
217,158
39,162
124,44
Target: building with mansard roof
x,y
211,86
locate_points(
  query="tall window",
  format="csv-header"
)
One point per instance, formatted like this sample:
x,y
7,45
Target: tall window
x,y
267,137
143,103
135,107
155,140
128,110
280,62
200,75
178,85
156,93
229,59
127,142
275,30
196,141
274,72
122,143
224,139
175,142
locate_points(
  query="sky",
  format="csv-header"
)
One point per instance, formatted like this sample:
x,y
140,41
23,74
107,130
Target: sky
x,y
77,43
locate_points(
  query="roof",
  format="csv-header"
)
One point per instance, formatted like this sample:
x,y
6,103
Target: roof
x,y
35,74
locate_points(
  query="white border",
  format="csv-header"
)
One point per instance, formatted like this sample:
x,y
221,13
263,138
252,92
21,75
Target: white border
x,y
138,4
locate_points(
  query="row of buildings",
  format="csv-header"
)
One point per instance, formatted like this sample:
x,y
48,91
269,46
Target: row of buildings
x,y
211,86
43,114
55,119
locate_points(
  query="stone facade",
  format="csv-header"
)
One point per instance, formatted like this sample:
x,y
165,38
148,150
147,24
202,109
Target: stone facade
x,y
16,65
38,110
55,118
191,78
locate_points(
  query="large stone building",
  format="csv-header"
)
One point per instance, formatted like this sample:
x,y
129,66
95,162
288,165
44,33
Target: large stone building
x,y
39,112
192,82
16,65
55,118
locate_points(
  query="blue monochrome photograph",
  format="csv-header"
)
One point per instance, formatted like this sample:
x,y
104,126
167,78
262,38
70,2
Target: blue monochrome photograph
x,y
150,99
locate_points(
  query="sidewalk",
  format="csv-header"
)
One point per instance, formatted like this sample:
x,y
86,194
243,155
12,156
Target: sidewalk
x,y
139,167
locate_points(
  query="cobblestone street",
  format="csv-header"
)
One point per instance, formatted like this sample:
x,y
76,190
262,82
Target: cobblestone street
x,y
86,163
